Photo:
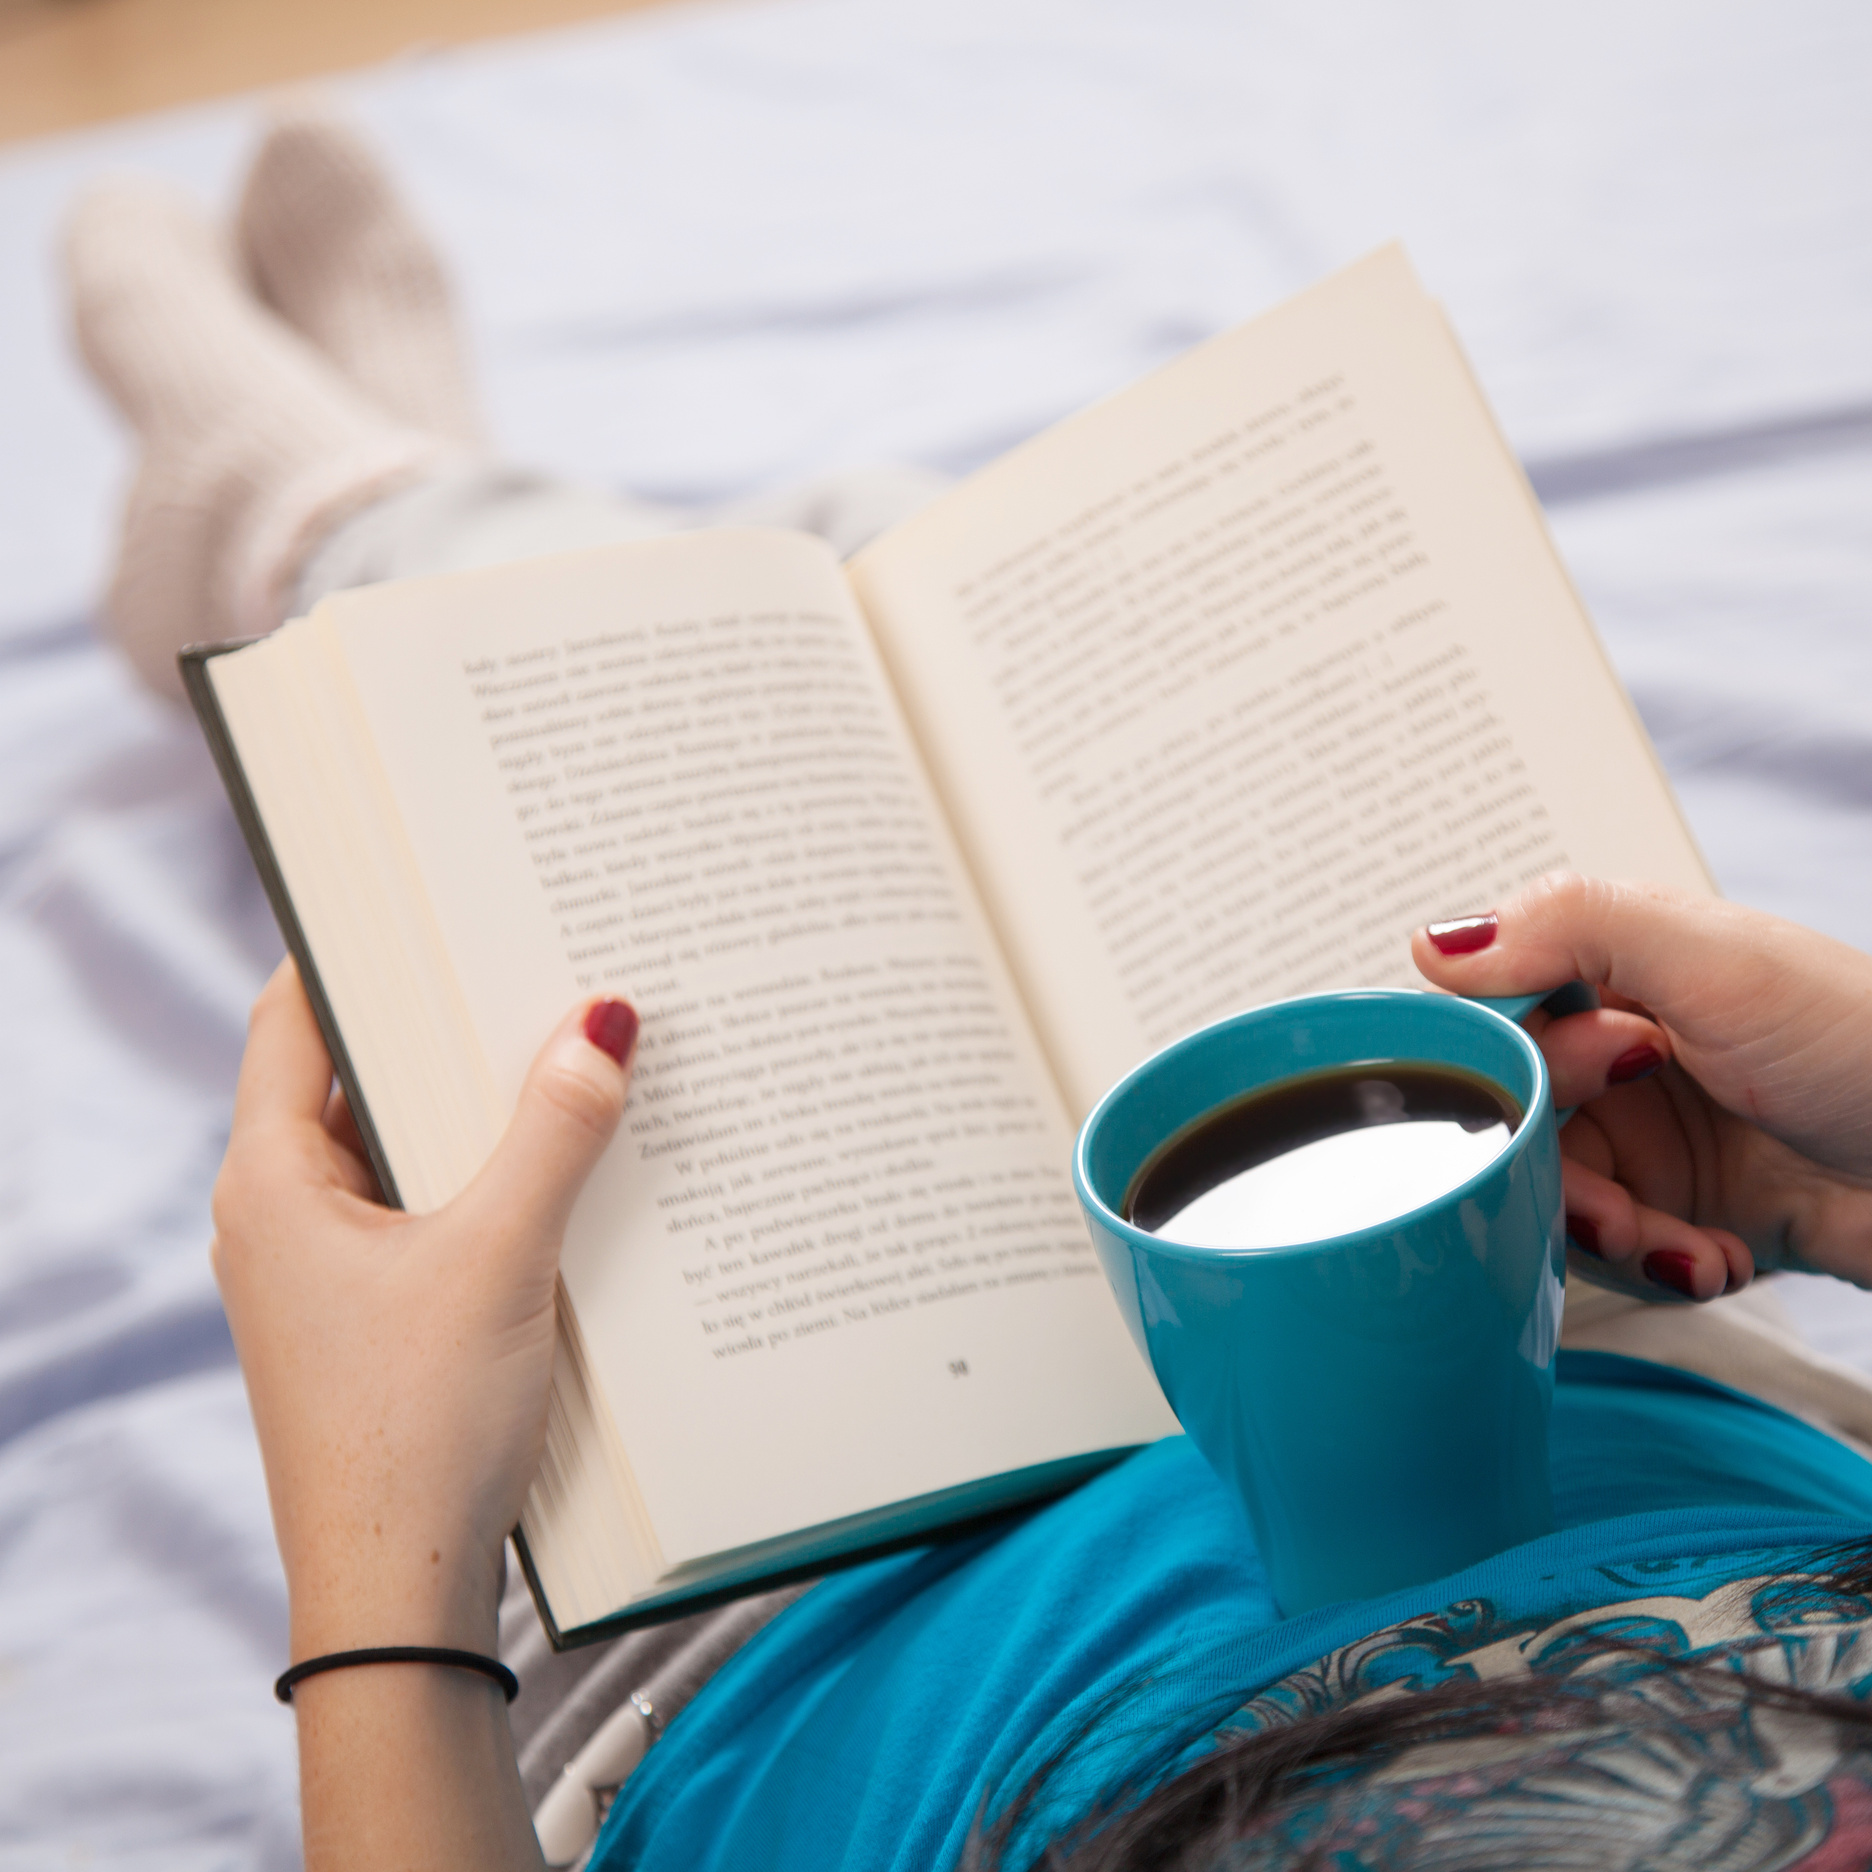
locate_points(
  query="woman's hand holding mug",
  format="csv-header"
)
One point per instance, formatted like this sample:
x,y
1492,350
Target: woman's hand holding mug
x,y
1724,1088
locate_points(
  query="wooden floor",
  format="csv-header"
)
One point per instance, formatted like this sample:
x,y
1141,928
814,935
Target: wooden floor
x,y
64,63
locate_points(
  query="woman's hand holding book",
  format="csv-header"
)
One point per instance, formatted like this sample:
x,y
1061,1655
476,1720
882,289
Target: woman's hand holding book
x,y
398,1368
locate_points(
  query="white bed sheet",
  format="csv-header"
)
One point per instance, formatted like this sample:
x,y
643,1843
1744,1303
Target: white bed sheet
x,y
707,251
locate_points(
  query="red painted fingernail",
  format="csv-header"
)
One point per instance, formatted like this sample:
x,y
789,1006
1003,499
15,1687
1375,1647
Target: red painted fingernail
x,y
1672,1268
1640,1063
611,1026
1585,1233
1462,935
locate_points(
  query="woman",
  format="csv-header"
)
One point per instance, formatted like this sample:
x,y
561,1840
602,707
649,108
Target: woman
x,y
897,1707
1673,1678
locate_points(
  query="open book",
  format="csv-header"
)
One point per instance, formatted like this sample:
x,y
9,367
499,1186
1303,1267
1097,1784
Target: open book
x,y
1205,697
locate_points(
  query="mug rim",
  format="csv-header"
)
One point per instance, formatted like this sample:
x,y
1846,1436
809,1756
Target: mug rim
x,y
1136,1238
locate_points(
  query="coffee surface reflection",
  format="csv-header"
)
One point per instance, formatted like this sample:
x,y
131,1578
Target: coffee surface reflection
x,y
1321,1155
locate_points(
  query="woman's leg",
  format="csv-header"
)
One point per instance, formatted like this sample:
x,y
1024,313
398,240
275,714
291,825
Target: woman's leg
x,y
305,414
252,443
1748,1340
482,514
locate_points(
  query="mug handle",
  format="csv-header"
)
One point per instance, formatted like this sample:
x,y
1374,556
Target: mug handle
x,y
1574,997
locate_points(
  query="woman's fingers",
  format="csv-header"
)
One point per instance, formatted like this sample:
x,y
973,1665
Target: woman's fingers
x,y
279,1150
1773,1022
1646,1250
568,1110
1587,1053
1648,944
285,1073
349,1153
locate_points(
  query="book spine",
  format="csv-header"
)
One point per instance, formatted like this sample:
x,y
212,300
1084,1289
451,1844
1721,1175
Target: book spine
x,y
196,679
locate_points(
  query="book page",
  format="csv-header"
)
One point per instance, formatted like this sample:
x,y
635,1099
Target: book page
x,y
1230,682
834,1259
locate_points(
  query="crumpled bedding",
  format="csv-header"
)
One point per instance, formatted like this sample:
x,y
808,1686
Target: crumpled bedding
x,y
706,251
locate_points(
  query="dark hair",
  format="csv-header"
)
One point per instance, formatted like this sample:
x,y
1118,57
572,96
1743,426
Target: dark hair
x,y
1269,1795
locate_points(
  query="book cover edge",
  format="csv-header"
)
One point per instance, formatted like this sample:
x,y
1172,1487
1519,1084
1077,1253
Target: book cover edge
x,y
194,661
1052,1481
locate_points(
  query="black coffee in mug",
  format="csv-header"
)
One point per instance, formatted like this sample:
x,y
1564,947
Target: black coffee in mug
x,y
1322,1154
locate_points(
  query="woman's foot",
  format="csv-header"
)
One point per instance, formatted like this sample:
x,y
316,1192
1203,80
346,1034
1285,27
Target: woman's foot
x,y
332,248
253,444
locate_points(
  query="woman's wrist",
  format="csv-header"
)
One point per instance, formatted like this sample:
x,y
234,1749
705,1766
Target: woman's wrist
x,y
410,1592
371,1561
409,1765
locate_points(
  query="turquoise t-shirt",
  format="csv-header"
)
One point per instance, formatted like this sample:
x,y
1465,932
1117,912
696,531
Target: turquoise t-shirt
x,y
875,1719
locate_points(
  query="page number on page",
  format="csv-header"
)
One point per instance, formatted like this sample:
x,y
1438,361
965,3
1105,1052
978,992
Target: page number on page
x,y
958,1368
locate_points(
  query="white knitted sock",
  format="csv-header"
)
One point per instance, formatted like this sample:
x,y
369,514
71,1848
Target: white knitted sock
x,y
253,444
332,248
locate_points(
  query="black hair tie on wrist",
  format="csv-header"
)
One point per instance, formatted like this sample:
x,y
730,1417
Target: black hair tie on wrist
x,y
398,1654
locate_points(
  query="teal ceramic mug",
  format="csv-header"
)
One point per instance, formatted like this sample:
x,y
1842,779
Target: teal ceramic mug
x,y
1379,1400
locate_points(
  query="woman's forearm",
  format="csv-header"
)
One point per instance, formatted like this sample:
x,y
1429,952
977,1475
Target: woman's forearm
x,y
405,1765
398,1368
410,1766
